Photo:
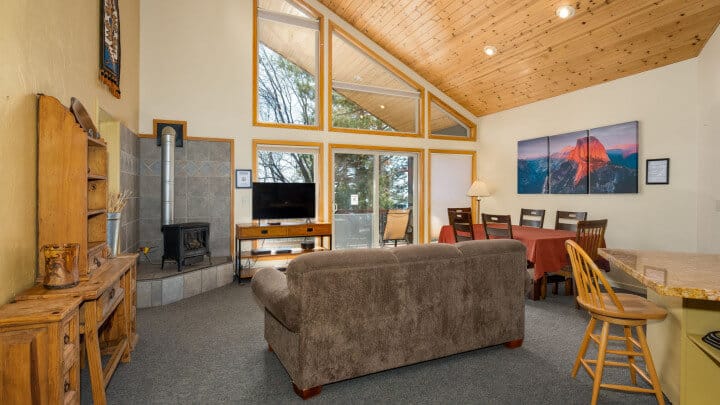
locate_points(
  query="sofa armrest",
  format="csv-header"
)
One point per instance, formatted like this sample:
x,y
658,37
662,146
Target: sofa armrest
x,y
270,287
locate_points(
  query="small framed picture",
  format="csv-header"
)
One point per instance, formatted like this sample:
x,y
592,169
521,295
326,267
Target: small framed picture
x,y
657,171
243,178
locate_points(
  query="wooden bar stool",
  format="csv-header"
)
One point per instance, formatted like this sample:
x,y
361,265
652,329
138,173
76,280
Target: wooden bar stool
x,y
627,310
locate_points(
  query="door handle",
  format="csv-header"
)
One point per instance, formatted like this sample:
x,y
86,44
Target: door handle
x,y
334,207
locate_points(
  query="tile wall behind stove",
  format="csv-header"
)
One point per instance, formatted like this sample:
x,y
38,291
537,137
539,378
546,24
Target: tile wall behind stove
x,y
202,191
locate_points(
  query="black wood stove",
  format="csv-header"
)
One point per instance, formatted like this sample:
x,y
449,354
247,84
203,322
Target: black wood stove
x,y
186,243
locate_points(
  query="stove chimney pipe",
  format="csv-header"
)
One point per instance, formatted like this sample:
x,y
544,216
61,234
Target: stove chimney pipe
x,y
167,175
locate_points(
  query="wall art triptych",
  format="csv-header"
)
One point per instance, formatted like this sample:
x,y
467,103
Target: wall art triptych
x,y
598,161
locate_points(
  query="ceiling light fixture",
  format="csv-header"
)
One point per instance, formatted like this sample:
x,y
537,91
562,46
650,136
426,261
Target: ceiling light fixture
x,y
489,50
382,106
565,11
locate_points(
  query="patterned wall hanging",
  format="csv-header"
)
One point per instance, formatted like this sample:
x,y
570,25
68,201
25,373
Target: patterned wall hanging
x,y
110,45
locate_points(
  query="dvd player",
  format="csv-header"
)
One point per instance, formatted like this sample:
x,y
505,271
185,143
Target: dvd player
x,y
280,251
260,251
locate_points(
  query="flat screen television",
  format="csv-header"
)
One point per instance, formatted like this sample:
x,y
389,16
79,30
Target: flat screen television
x,y
283,200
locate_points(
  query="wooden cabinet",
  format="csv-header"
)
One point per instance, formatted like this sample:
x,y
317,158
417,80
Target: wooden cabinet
x,y
106,318
39,351
72,187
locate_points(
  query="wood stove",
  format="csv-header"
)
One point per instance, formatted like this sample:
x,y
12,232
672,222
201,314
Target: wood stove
x,y
186,243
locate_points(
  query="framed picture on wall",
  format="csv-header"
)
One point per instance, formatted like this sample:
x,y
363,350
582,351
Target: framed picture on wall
x,y
657,171
243,178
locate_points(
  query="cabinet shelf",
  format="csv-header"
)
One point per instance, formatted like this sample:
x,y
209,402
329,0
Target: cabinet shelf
x,y
96,177
96,142
92,213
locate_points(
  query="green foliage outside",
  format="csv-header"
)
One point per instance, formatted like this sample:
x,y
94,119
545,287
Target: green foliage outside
x,y
347,114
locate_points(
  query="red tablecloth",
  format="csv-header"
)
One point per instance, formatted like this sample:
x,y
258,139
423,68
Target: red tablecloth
x,y
545,247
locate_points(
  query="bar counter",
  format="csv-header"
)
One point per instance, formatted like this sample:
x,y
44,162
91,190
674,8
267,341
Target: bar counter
x,y
688,286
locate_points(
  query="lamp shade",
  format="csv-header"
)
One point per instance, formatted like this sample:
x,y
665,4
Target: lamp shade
x,y
478,189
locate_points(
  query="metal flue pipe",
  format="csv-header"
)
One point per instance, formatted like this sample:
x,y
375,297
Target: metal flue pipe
x,y
167,175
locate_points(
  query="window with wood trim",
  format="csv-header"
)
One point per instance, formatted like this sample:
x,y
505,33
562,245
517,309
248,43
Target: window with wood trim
x,y
368,94
288,64
446,123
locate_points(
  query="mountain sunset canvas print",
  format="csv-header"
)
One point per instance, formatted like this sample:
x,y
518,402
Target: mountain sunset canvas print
x,y
533,166
614,163
569,163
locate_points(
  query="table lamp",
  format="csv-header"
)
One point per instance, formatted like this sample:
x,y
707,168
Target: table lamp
x,y
478,189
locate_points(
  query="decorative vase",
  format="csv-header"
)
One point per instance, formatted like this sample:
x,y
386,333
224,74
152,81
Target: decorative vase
x,y
113,232
61,265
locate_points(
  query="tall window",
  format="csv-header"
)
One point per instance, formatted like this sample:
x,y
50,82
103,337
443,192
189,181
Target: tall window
x,y
446,123
287,64
298,162
369,95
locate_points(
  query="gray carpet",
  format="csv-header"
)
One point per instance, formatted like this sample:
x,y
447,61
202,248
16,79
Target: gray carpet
x,y
210,349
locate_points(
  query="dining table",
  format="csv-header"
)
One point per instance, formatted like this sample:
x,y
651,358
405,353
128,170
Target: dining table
x,y
545,248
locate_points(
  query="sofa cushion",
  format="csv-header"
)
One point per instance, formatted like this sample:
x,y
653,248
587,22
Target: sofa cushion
x,y
270,287
338,259
420,253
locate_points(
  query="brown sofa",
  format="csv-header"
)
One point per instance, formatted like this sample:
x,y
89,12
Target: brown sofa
x,y
341,314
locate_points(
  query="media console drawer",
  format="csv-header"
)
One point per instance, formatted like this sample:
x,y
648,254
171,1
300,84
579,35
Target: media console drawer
x,y
262,232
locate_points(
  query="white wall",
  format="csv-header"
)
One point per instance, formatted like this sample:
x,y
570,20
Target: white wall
x,y
709,147
196,66
665,102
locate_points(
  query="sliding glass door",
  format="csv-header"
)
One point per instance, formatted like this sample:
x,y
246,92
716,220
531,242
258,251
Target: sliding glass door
x,y
366,184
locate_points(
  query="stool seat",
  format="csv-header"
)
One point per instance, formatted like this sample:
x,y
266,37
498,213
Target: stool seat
x,y
634,307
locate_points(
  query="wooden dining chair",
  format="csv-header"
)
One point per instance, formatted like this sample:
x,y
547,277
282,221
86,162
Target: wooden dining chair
x,y
590,235
497,226
567,220
453,211
626,310
532,217
463,227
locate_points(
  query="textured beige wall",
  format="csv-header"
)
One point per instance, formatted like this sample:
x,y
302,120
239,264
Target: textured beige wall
x,y
49,47
709,147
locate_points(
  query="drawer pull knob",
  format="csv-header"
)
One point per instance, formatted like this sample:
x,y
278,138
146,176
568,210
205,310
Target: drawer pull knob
x,y
309,229
66,339
67,386
112,293
264,232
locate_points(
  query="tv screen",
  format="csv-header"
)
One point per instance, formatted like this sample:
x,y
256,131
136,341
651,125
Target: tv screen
x,y
283,200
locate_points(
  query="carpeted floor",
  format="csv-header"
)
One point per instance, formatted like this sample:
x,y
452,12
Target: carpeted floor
x,y
210,349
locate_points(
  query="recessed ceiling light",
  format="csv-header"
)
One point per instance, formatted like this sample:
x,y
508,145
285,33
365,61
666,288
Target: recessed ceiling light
x,y
565,11
489,50
382,106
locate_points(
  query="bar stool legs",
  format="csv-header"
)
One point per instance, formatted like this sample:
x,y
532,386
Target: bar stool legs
x,y
630,352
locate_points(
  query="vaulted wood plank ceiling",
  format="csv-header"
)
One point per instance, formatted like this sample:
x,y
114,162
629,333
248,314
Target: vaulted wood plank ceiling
x,y
539,55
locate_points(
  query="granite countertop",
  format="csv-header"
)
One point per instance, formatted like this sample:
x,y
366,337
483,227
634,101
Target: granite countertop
x,y
688,275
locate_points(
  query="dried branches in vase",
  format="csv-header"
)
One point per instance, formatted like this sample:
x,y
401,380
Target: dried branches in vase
x,y
117,201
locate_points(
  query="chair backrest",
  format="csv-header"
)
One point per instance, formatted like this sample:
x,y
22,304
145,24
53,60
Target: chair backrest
x,y
590,281
453,211
396,225
463,227
590,235
567,220
532,217
497,226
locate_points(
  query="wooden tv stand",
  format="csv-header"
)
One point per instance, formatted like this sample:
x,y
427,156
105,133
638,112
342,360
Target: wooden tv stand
x,y
249,232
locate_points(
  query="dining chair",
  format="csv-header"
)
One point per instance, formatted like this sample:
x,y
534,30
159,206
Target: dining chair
x,y
453,211
567,220
497,226
532,217
589,235
626,310
395,227
462,226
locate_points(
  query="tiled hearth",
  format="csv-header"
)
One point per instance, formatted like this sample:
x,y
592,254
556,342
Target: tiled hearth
x,y
157,287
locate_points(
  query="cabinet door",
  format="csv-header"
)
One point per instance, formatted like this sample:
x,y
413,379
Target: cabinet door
x,y
24,371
